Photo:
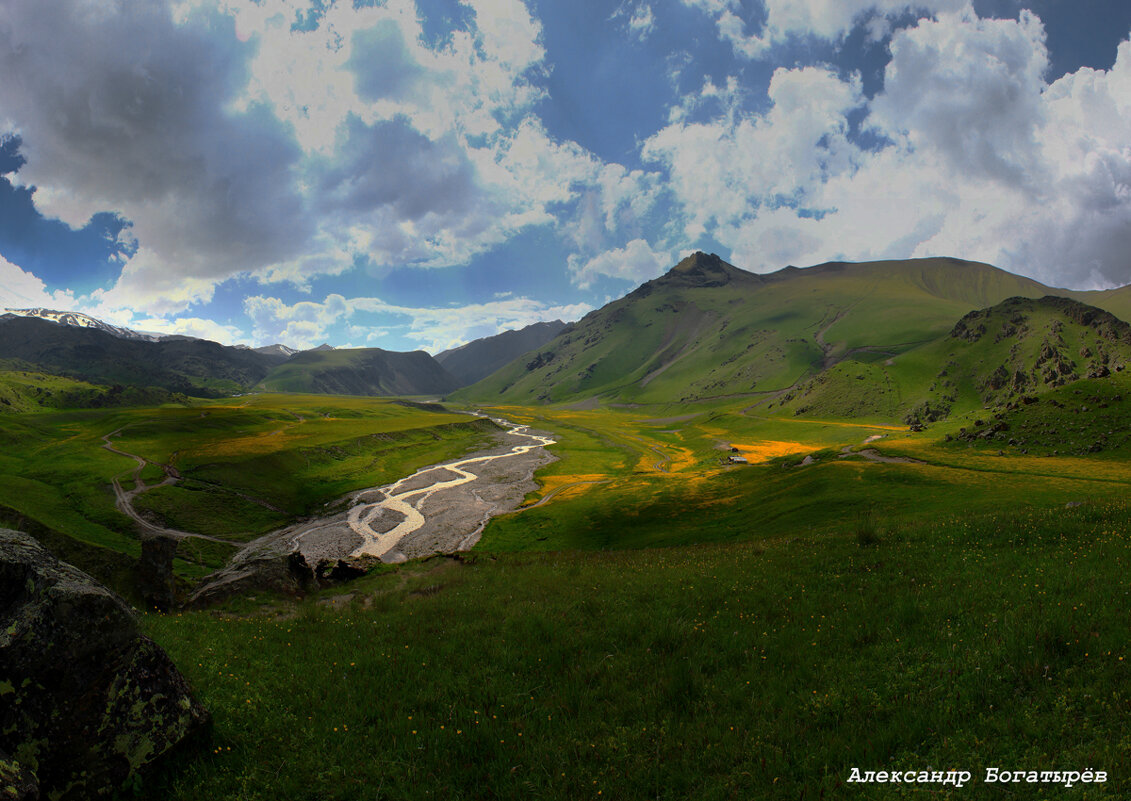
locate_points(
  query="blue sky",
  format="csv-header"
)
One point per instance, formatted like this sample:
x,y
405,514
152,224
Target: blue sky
x,y
411,175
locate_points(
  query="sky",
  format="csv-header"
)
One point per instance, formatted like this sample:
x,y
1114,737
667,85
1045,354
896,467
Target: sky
x,y
416,174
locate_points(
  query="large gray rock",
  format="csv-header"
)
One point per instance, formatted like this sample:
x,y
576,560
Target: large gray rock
x,y
85,699
269,568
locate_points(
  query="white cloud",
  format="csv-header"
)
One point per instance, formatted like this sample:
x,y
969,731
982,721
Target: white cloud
x,y
121,109
643,22
427,156
825,19
20,289
148,286
831,19
508,31
635,262
970,91
307,323
640,21
407,145
236,145
301,325
724,170
983,160
197,327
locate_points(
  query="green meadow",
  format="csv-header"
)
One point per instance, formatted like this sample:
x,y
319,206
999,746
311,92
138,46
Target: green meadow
x,y
655,621
764,669
642,477
667,625
246,465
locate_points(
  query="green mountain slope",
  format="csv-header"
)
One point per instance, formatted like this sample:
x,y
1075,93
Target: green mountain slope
x,y
996,356
192,366
24,389
360,371
478,359
707,329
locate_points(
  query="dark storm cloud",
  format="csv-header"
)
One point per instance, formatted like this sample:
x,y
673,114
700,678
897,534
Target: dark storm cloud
x,y
122,109
391,165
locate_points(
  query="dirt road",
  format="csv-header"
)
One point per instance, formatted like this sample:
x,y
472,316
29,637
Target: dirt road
x,y
123,498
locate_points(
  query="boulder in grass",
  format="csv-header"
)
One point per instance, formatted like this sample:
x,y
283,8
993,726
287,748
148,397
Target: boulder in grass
x,y
86,701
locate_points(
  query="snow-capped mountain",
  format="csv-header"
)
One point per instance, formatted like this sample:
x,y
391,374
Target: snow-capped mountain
x,y
80,320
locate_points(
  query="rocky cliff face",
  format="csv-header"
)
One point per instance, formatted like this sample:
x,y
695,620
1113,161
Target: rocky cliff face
x,y
85,699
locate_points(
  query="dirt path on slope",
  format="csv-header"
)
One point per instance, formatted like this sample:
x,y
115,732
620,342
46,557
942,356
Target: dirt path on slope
x,y
546,498
123,498
873,455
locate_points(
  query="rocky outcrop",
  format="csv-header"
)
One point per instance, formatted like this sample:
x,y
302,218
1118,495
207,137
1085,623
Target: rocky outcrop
x,y
85,700
272,568
155,571
269,566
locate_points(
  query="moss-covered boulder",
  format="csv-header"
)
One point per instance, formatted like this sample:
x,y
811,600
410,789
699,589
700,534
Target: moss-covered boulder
x,y
17,783
85,699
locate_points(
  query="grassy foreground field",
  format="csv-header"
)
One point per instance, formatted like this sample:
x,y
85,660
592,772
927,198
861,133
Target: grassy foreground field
x,y
966,610
734,671
961,605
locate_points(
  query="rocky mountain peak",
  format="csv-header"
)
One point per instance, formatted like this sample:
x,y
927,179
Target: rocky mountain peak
x,y
704,270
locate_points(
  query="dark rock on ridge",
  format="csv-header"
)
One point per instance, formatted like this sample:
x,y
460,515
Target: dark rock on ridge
x,y
155,572
273,568
86,701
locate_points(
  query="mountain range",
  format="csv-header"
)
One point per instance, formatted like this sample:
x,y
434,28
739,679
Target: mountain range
x,y
708,330
916,339
84,349
80,320
480,358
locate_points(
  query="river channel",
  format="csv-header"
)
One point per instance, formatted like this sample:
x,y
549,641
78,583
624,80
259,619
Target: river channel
x,y
432,494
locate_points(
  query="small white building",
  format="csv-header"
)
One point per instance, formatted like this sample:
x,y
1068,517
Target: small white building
x,y
737,459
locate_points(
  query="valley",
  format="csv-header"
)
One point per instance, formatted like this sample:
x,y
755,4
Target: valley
x,y
879,509
515,400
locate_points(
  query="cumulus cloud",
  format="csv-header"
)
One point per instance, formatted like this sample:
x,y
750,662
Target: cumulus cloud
x,y
120,108
307,323
724,170
148,285
426,155
976,156
236,143
970,91
636,262
20,289
298,325
196,327
753,35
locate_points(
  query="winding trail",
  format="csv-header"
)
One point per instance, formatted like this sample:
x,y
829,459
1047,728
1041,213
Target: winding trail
x,y
124,498
827,358
663,465
549,495
873,455
406,502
